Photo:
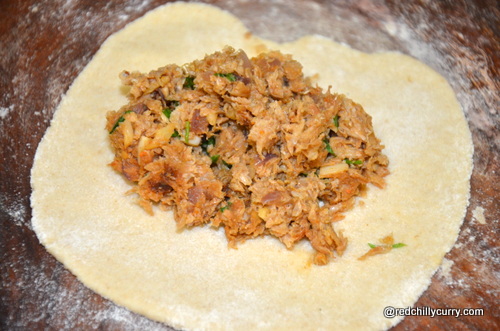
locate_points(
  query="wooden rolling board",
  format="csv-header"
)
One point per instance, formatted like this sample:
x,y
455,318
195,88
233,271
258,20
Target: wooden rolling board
x,y
44,45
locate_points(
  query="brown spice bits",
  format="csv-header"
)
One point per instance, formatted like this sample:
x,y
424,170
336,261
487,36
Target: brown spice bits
x,y
249,145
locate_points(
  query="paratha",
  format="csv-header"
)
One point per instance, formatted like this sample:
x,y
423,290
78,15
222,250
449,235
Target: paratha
x,y
191,279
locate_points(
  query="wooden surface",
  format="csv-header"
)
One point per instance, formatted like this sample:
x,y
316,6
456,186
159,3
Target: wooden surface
x,y
44,45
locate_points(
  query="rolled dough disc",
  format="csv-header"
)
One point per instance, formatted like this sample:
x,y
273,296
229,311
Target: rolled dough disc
x,y
191,279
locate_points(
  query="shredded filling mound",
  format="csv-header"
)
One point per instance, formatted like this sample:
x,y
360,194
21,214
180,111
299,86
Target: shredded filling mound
x,y
249,145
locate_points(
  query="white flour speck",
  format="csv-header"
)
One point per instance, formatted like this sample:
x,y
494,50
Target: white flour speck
x,y
15,210
478,215
4,111
445,269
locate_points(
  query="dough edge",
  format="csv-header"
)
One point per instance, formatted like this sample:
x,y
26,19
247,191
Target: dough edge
x,y
192,315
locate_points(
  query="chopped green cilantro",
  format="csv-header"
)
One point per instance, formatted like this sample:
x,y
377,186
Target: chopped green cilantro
x,y
214,158
355,162
175,134
229,203
171,105
167,112
227,164
336,121
189,83
398,245
119,120
207,142
230,77
187,129
328,147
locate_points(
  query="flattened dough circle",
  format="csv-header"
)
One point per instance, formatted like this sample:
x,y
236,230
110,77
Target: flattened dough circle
x,y
190,279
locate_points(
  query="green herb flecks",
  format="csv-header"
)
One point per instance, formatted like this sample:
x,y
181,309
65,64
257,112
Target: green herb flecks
x,y
214,158
328,147
353,162
229,203
207,142
230,77
187,129
119,120
175,134
168,111
336,121
189,83
398,245
227,164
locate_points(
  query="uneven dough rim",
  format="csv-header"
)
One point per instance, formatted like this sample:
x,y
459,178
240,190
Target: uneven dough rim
x,y
47,223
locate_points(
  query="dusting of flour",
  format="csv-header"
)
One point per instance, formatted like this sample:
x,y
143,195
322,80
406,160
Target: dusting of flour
x,y
75,306
478,215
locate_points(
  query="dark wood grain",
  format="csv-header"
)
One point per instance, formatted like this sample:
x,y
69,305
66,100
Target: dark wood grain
x,y
44,45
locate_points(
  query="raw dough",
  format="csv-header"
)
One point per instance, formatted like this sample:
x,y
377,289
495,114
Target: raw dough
x,y
191,279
